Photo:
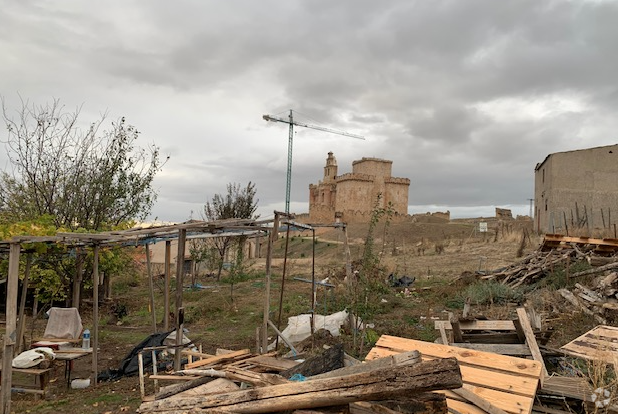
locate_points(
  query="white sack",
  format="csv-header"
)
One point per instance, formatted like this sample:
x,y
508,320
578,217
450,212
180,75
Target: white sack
x,y
299,327
33,357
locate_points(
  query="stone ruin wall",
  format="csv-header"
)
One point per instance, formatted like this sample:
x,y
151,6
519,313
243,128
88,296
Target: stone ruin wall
x,y
504,214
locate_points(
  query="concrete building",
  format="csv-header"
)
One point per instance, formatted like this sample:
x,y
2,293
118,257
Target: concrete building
x,y
352,197
577,192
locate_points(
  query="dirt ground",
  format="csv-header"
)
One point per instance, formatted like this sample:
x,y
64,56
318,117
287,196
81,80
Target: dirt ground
x,y
436,254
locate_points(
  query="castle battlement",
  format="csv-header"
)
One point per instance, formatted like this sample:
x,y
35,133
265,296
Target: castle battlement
x,y
354,177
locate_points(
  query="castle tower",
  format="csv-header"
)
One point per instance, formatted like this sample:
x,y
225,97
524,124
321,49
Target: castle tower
x,y
330,169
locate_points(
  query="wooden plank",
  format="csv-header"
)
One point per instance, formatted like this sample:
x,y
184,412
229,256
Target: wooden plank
x,y
462,407
196,354
510,403
505,363
218,385
479,325
478,401
507,382
218,358
443,335
503,349
411,357
279,364
366,407
531,341
172,377
427,403
456,329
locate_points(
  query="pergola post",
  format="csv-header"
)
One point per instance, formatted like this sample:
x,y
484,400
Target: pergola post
x,y
269,255
166,291
95,313
11,325
180,269
153,313
22,305
77,280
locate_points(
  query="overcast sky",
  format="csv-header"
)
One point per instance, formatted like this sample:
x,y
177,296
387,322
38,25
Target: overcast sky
x,y
465,97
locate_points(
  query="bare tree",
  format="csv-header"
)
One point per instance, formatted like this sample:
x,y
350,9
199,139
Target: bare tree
x,y
82,177
238,203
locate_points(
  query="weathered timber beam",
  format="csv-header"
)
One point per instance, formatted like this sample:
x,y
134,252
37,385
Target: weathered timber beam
x,y
384,383
406,358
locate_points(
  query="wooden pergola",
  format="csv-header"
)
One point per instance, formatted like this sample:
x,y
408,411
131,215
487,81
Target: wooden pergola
x,y
143,237
97,241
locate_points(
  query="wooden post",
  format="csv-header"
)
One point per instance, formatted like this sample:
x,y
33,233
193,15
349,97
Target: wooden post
x,y
11,322
180,268
568,265
313,290
180,320
153,313
531,342
95,314
348,260
140,369
285,261
77,280
166,291
269,256
22,305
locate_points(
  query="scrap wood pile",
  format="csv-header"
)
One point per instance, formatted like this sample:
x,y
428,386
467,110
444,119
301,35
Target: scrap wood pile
x,y
600,299
384,385
559,252
565,389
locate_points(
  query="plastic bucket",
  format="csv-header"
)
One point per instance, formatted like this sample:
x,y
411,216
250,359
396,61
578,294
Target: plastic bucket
x,y
79,383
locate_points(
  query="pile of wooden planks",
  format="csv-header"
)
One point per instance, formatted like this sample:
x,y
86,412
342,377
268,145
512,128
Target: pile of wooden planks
x,y
370,387
491,383
599,300
559,252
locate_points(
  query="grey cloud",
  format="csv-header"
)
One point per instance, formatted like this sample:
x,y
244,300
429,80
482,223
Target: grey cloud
x,y
418,78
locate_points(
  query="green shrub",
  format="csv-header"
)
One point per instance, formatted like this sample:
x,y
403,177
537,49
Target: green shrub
x,y
491,292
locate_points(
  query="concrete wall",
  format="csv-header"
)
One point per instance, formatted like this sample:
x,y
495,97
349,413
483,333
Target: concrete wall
x,y
577,190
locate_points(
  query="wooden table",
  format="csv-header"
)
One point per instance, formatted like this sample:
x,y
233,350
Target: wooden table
x,y
68,356
41,380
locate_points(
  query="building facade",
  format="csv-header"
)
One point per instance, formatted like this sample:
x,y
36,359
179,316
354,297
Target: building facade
x,y
351,197
577,192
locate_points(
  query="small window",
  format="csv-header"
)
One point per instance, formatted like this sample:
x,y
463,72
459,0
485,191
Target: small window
x,y
543,174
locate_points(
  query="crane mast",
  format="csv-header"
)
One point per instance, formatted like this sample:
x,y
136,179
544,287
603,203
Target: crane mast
x,y
290,121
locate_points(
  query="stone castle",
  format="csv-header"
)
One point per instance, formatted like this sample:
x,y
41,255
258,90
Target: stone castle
x,y
351,197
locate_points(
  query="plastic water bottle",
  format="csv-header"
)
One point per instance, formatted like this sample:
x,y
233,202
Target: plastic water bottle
x,y
86,339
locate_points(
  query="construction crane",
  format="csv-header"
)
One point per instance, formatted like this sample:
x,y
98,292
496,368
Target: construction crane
x,y
290,121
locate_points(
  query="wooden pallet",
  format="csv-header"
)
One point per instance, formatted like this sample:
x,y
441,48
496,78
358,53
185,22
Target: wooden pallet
x,y
598,344
498,383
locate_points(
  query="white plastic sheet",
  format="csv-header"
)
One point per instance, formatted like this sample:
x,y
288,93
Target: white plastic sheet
x,y
33,357
299,327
